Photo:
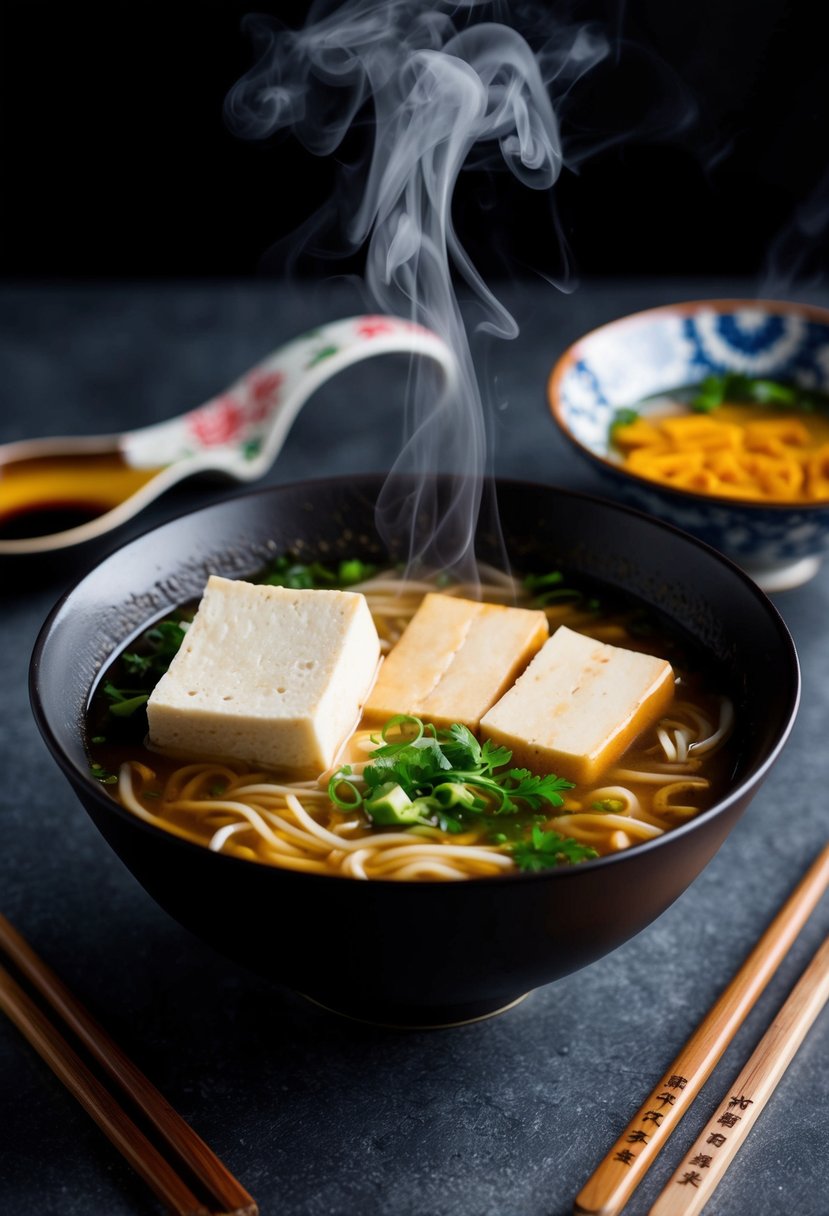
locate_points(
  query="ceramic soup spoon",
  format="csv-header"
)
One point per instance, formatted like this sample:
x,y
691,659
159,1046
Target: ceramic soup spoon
x,y
59,492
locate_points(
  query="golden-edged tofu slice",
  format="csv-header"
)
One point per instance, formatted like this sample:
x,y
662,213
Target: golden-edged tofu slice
x,y
268,675
579,706
455,659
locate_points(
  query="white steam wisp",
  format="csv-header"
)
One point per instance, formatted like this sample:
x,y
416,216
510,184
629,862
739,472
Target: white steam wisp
x,y
433,94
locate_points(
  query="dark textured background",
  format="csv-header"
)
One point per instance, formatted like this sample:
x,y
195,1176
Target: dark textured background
x,y
118,163
321,1117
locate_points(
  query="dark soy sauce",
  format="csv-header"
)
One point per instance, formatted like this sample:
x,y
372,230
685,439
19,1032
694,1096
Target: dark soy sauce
x,y
47,494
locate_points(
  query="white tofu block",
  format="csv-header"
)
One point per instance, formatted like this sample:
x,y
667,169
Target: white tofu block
x,y
268,675
455,659
579,706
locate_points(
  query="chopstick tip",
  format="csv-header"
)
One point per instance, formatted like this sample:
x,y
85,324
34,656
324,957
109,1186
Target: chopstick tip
x,y
605,1210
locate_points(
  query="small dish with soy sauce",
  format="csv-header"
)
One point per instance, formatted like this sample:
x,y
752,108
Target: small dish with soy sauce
x,y
66,493
714,416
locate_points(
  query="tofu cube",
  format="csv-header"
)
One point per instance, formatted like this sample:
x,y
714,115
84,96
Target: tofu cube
x,y
268,675
455,659
579,705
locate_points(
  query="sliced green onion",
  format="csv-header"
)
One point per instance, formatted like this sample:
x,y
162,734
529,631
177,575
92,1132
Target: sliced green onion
x,y
402,720
125,708
339,780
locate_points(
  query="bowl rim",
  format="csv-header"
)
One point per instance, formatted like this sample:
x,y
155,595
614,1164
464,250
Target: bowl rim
x,y
812,312
75,773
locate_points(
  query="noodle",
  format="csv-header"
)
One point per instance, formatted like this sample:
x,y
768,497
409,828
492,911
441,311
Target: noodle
x,y
720,734
662,806
255,815
603,821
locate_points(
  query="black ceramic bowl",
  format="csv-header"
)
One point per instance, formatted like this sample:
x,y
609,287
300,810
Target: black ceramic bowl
x,y
417,953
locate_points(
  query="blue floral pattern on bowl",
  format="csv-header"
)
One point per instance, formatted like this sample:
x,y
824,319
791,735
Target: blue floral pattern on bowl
x,y
654,352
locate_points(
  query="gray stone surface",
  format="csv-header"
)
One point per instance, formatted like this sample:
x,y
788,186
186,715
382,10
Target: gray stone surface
x,y
315,1115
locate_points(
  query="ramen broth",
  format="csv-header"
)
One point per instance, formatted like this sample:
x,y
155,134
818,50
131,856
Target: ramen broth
x,y
671,772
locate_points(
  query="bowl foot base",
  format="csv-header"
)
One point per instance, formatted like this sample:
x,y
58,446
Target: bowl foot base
x,y
398,1017
783,576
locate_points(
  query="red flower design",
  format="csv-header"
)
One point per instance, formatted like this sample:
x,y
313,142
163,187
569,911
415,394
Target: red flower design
x,y
370,327
218,422
264,389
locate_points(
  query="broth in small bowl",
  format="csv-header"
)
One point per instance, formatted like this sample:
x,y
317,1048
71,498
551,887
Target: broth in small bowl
x,y
714,416
426,950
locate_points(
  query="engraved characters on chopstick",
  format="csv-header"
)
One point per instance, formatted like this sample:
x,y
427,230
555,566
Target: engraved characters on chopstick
x,y
641,1135
728,1118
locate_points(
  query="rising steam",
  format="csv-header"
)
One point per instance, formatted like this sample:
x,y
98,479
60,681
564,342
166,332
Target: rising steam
x,y
797,256
436,96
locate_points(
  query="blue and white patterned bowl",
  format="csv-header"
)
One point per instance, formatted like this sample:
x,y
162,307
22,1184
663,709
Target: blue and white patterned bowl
x,y
780,545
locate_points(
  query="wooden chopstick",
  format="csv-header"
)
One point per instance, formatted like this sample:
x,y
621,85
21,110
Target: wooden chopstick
x,y
613,1182
96,1100
696,1179
229,1196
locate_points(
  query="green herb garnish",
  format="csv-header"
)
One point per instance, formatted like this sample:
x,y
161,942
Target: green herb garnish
x,y
771,392
710,394
548,589
625,416
162,644
123,702
422,776
126,706
545,850
611,806
339,782
159,646
445,778
390,804
101,774
717,390
288,572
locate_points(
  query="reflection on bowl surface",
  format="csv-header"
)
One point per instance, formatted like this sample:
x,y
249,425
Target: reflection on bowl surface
x,y
424,953
658,351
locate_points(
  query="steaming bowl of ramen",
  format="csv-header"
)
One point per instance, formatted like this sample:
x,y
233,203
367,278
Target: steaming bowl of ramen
x,y
448,871
714,416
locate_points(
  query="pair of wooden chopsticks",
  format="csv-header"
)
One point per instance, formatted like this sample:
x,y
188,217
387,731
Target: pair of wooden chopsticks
x,y
189,1179
693,1183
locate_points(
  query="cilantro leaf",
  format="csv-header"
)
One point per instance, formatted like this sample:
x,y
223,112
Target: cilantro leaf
x,y
461,748
533,790
415,766
494,755
449,771
158,647
546,850
136,664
